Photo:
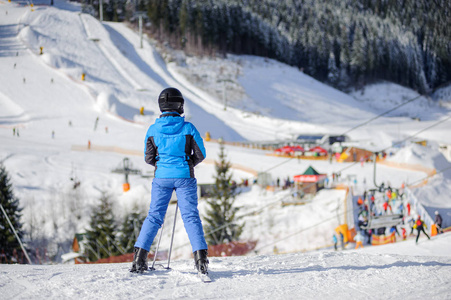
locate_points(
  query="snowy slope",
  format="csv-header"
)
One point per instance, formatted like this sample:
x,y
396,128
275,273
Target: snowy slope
x,y
319,275
131,77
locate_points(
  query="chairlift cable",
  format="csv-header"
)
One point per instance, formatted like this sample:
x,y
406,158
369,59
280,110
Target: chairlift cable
x,y
417,133
363,124
303,229
382,150
388,111
382,114
400,142
429,176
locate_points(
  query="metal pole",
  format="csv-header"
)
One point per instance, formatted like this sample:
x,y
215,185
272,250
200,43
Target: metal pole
x,y
374,169
158,246
141,30
93,251
224,97
101,11
15,233
173,230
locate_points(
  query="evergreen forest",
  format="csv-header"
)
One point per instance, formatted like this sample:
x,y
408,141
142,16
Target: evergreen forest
x,y
346,43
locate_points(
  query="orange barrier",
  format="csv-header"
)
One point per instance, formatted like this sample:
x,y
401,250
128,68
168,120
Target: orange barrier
x,y
126,187
382,239
434,230
351,235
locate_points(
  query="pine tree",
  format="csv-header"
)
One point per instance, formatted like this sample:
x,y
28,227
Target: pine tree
x,y
102,234
359,55
221,215
345,50
9,244
130,229
333,75
184,19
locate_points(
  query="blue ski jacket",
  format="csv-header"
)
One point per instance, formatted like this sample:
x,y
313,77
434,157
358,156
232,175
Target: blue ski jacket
x,y
174,147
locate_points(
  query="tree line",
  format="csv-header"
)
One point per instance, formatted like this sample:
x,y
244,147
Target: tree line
x,y
342,42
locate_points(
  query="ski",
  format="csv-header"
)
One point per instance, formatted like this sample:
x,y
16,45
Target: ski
x,y
204,277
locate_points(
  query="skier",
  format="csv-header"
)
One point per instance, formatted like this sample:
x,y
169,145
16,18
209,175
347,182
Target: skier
x,y
335,240
394,229
359,240
412,225
404,233
96,123
342,241
438,222
386,205
174,147
420,227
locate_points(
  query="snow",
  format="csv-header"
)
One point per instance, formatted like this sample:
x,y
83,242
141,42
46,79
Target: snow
x,y
317,275
382,96
427,156
266,101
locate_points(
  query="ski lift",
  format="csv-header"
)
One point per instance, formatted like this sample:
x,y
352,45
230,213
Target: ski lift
x,y
74,178
126,169
387,221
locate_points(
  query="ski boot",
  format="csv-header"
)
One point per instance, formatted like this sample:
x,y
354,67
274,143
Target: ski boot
x,y
139,264
201,261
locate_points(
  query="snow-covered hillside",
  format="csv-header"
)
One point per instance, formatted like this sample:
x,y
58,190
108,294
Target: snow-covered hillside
x,y
55,114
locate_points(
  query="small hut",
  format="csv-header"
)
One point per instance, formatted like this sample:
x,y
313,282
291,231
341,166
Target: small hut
x,y
310,181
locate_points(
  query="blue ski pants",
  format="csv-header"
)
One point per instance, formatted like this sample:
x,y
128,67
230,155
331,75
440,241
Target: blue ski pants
x,y
186,191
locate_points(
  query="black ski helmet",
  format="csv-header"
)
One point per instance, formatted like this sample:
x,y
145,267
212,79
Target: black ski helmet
x,y
171,99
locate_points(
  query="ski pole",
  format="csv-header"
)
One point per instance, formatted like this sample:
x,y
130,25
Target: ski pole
x,y
172,237
158,246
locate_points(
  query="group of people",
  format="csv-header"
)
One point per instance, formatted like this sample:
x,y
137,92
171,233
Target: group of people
x,y
16,131
419,225
392,203
392,198
335,240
